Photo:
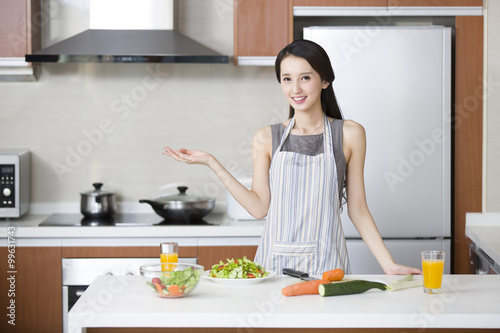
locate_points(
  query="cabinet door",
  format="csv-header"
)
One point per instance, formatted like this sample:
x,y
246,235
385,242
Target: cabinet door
x,y
210,255
124,252
391,3
34,289
346,3
432,3
261,27
19,34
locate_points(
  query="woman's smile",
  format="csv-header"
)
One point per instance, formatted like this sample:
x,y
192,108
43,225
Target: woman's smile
x,y
299,99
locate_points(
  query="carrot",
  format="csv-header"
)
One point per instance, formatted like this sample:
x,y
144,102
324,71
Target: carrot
x,y
303,288
158,288
173,289
334,275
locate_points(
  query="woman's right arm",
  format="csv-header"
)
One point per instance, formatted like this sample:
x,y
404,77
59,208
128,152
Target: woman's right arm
x,y
256,200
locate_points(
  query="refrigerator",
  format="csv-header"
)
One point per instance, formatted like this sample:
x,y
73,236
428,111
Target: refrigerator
x,y
396,82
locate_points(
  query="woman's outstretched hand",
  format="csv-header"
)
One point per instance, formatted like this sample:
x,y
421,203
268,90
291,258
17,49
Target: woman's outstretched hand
x,y
189,156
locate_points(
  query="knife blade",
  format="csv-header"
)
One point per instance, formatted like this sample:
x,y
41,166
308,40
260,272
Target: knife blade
x,y
298,274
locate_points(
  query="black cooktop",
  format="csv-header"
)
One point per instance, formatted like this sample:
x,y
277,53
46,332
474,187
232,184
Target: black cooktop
x,y
118,220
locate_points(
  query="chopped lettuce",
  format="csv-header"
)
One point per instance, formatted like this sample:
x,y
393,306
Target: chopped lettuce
x,y
186,280
237,269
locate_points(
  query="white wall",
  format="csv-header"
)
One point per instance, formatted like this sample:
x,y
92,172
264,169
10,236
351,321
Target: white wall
x,y
492,190
132,114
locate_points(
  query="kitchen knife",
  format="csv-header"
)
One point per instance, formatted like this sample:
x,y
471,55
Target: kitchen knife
x,y
298,274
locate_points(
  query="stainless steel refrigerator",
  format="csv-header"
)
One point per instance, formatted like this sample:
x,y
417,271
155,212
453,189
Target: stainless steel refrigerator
x,y
396,82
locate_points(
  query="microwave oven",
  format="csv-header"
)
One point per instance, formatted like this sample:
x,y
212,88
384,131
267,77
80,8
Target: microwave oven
x,y
14,182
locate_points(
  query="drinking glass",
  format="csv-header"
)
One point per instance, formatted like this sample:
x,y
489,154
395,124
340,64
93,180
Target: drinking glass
x,y
432,268
169,254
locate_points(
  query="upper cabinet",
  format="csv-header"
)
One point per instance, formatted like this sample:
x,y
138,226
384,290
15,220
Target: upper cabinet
x,y
262,27
389,3
435,3
347,3
19,35
20,22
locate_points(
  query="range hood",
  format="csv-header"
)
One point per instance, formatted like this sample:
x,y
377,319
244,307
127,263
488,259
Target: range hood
x,y
131,46
136,34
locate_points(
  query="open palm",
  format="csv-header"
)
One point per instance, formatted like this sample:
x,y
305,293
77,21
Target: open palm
x,y
188,156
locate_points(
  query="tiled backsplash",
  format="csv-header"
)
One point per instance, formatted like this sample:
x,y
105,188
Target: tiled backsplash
x,y
107,123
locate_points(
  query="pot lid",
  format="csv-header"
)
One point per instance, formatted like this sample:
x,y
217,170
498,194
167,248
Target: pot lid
x,y
97,191
182,196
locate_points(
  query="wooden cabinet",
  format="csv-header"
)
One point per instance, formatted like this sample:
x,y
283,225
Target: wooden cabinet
x,y
435,3
347,3
124,252
34,288
207,255
391,3
261,28
210,255
20,22
468,132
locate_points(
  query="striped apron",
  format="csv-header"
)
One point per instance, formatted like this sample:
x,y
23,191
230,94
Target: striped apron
x,y
303,229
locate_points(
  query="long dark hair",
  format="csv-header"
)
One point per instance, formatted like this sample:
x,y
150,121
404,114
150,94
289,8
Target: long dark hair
x,y
317,57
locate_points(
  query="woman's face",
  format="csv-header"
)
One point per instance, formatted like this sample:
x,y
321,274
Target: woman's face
x,y
301,84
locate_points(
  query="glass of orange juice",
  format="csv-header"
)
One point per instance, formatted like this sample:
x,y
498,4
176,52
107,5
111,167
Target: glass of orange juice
x,y
169,255
432,268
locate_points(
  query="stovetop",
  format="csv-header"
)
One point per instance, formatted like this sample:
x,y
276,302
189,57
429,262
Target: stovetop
x,y
118,220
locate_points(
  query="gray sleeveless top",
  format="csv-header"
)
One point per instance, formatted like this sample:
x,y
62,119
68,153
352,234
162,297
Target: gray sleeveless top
x,y
313,145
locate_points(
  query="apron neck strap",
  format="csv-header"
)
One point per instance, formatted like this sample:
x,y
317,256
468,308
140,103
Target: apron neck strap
x,y
327,134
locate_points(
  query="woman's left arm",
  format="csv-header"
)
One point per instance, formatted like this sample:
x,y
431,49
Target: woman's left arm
x,y
354,146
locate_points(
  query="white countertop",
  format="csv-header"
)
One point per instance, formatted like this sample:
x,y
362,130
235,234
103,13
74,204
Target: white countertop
x,y
484,230
467,301
226,232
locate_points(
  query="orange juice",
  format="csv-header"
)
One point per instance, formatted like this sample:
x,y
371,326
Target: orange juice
x,y
433,273
168,258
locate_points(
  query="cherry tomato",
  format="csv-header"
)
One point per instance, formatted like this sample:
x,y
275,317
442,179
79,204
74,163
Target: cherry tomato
x,y
250,276
156,280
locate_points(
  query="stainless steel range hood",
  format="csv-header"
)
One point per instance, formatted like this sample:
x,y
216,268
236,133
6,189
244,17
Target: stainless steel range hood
x,y
130,46
128,32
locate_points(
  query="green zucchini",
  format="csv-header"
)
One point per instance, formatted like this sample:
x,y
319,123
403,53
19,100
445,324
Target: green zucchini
x,y
349,287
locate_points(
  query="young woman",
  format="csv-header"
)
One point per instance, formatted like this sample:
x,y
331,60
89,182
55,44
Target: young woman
x,y
303,168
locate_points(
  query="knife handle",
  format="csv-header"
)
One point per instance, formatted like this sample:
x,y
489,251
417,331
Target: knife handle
x,y
294,273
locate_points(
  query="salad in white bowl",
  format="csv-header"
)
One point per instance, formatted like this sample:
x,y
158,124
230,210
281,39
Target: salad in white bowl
x,y
240,268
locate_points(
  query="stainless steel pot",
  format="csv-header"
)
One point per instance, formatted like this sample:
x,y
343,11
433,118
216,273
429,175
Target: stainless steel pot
x,y
98,203
181,207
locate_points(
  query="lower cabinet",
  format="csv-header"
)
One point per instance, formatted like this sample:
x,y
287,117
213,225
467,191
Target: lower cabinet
x,y
31,293
210,255
124,252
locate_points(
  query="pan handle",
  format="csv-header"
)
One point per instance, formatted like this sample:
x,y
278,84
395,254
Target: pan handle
x,y
153,204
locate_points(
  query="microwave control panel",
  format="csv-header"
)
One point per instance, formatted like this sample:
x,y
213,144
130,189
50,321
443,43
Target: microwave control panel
x,y
7,187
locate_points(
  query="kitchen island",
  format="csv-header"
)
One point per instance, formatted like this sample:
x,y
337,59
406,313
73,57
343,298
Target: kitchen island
x,y
468,303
